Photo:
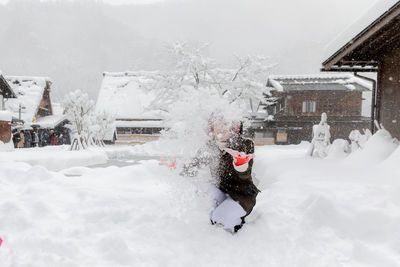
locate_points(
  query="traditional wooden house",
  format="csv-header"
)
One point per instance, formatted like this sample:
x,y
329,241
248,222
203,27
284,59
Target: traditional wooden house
x,y
32,109
297,103
372,44
5,116
127,97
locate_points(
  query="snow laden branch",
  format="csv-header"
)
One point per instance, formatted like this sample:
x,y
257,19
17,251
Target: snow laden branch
x,y
89,128
197,87
193,71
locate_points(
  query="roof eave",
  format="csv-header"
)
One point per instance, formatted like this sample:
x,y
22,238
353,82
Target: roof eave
x,y
349,69
363,36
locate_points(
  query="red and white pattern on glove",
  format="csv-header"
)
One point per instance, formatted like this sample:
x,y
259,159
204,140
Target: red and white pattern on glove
x,y
239,158
170,163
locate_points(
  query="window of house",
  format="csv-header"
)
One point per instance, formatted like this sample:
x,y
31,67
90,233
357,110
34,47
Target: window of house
x,y
281,136
309,106
264,134
157,130
148,131
123,131
136,130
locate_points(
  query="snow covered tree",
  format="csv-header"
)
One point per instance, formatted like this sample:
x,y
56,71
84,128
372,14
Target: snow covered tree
x,y
77,108
103,123
194,71
197,88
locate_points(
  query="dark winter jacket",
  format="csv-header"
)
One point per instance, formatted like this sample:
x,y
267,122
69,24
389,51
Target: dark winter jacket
x,y
16,137
238,185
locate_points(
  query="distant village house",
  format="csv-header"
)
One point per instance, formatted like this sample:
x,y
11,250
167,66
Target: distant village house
x,y
32,111
125,96
297,102
5,116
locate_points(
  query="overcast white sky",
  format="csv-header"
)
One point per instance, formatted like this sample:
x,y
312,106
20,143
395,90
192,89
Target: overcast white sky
x,y
52,40
116,2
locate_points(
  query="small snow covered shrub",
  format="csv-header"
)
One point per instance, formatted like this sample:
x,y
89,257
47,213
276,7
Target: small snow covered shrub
x,y
89,128
358,139
378,148
340,148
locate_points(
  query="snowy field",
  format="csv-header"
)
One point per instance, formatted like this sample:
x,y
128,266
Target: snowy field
x,y
311,212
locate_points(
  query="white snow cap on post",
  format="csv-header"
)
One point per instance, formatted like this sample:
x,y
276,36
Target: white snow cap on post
x,y
5,115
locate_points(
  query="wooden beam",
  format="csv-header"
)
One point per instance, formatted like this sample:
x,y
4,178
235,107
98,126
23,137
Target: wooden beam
x,y
349,69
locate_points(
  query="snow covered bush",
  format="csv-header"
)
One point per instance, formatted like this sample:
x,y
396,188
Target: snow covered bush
x,y
358,139
378,147
102,124
90,127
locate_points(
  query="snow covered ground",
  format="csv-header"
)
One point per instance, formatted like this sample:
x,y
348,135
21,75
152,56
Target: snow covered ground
x,y
311,212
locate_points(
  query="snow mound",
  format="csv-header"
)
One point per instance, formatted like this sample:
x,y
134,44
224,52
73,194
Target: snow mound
x,y
6,147
310,213
376,149
339,149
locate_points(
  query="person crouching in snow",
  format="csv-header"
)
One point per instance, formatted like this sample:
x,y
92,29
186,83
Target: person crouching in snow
x,y
230,157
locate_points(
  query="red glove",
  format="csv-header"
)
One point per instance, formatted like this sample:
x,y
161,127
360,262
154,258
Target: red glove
x,y
170,163
239,158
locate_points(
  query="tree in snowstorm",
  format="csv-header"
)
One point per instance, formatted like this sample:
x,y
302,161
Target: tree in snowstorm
x,y
197,88
195,71
103,124
77,108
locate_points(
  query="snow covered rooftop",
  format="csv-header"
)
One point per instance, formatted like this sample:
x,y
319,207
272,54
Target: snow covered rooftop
x,y
29,92
141,124
5,89
50,122
371,17
5,115
128,95
344,82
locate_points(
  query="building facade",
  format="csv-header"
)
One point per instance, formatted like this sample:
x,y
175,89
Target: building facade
x,y
6,93
299,101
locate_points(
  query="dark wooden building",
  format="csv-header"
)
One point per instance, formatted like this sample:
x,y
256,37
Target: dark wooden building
x,y
375,47
5,123
299,102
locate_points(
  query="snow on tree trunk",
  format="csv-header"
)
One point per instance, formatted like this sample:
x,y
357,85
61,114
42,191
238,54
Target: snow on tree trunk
x,y
77,108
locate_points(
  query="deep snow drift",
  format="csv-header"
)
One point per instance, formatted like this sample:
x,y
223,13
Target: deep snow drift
x,y
311,212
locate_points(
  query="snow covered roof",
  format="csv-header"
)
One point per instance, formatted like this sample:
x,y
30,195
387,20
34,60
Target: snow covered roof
x,y
335,82
372,21
50,122
5,115
5,88
128,95
29,92
141,124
